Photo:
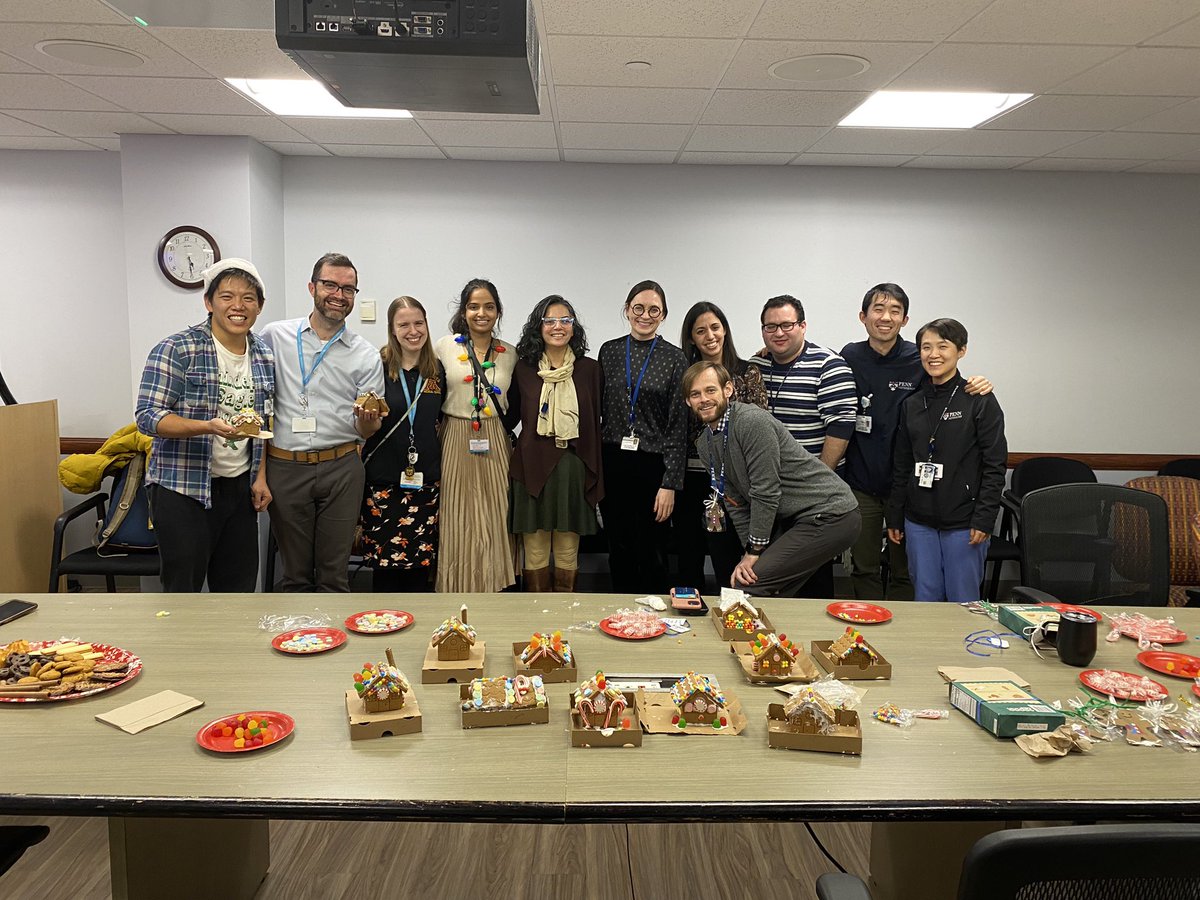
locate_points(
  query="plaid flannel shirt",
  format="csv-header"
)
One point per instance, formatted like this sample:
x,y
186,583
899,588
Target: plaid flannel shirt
x,y
181,377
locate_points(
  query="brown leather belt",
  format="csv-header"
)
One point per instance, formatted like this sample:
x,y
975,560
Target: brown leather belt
x,y
311,457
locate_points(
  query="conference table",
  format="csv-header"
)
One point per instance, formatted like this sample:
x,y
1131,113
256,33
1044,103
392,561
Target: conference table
x,y
171,802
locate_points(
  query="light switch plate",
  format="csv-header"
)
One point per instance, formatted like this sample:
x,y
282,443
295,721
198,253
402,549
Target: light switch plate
x,y
366,310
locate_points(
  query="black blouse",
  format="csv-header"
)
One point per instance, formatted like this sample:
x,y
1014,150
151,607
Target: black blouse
x,y
389,461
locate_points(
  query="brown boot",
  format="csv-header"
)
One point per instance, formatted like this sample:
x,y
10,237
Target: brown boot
x,y
564,580
537,581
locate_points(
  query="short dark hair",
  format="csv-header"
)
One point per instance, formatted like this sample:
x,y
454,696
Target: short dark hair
x,y
648,286
691,352
888,290
782,300
951,330
339,260
695,370
216,283
458,322
531,345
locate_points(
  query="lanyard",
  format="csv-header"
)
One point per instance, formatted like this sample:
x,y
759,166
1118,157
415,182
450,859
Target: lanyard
x,y
773,396
408,398
717,484
938,423
630,388
306,377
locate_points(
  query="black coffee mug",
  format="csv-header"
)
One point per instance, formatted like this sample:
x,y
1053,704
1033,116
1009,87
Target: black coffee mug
x,y
1076,638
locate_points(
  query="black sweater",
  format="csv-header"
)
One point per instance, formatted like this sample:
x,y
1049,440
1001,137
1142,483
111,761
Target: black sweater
x,y
387,463
971,447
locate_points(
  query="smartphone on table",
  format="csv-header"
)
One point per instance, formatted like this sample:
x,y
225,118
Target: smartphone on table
x,y
14,609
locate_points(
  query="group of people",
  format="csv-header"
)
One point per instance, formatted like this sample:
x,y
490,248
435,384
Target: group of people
x,y
488,460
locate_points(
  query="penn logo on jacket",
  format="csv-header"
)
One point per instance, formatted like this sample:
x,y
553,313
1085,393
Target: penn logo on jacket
x,y
900,385
953,414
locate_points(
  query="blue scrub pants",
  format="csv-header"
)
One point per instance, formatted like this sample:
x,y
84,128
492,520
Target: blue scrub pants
x,y
943,564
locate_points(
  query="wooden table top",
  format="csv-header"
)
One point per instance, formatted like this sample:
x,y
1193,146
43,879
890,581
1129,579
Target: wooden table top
x,y
58,759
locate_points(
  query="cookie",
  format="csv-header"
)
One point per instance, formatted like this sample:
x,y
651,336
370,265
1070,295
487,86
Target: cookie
x,y
112,666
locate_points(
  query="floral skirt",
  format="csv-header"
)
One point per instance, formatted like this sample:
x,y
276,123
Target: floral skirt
x,y
400,526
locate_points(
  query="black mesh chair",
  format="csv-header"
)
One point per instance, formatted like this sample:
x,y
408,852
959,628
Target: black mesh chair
x,y
1096,544
15,840
1186,468
88,561
1092,862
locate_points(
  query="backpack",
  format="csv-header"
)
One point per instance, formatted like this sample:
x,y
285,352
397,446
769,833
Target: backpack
x,y
127,524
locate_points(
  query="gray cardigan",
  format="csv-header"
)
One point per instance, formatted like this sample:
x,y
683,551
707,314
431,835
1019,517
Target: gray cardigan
x,y
769,478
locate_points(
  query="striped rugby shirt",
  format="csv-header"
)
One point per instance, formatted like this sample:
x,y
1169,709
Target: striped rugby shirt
x,y
814,396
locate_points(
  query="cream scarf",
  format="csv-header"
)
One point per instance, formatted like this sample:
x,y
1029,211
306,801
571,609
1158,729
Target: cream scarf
x,y
558,406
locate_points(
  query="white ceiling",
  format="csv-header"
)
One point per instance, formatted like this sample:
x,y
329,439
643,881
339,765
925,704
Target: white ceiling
x,y
1117,85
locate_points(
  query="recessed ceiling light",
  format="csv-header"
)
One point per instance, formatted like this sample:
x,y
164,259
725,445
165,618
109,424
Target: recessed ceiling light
x,y
297,97
930,109
90,53
819,67
638,65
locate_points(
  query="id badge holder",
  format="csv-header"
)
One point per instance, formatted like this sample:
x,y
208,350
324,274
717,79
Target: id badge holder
x,y
924,475
630,442
862,424
304,425
479,445
412,482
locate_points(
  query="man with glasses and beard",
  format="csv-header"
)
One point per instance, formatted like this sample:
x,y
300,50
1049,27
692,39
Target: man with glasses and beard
x,y
314,470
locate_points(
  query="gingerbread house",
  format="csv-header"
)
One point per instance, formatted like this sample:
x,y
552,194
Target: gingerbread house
x,y
504,692
382,686
454,638
372,402
739,614
809,713
774,654
546,652
599,704
852,649
698,701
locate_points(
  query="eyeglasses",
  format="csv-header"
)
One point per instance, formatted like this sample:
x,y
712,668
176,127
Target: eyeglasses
x,y
652,312
346,290
785,327
550,321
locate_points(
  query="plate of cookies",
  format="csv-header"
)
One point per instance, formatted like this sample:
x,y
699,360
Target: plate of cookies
x,y
40,671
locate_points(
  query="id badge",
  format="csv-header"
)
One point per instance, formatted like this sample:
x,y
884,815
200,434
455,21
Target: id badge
x,y
862,424
480,445
927,473
304,425
413,482
630,442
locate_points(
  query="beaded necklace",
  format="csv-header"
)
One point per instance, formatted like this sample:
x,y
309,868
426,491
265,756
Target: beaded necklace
x,y
482,388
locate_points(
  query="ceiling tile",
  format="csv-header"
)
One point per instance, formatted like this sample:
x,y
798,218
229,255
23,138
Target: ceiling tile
x,y
21,40
1062,112
1051,164
297,148
797,107
261,128
850,159
776,138
589,136
377,151
965,162
721,158
80,11
8,142
888,141
10,64
45,92
1130,145
619,156
507,154
11,127
93,124
863,20
680,106
754,58
1073,21
231,52
101,143
203,96
1170,167
1181,119
1141,70
360,131
677,62
995,67
974,142
491,134
661,18
1185,35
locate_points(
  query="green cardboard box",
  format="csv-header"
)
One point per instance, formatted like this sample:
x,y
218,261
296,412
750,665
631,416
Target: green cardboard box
x,y
1022,619
1004,707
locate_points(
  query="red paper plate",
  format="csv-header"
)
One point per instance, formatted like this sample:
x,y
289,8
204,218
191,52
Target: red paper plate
x,y
322,639
1068,607
212,736
1177,665
404,619
1123,685
607,628
859,613
111,654
1163,634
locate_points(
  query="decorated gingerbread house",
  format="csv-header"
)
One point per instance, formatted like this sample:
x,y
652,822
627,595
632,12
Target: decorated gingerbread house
x,y
454,638
852,649
809,713
505,692
381,686
698,701
774,654
739,614
546,652
372,402
600,705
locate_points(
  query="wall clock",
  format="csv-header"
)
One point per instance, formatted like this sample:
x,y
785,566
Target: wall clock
x,y
184,253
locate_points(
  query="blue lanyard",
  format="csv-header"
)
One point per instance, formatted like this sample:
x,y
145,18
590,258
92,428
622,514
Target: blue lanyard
x,y
412,407
306,377
630,388
717,484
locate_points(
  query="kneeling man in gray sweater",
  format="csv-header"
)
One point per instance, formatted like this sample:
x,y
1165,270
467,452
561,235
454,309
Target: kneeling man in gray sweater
x,y
789,509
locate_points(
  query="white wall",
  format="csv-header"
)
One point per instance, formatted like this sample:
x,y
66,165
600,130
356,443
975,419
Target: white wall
x,y
1076,287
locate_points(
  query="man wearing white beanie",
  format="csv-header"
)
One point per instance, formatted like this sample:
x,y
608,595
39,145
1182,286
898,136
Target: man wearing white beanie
x,y
205,480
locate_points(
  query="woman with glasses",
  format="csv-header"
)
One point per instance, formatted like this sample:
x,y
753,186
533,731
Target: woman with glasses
x,y
642,442
475,553
399,517
705,338
555,467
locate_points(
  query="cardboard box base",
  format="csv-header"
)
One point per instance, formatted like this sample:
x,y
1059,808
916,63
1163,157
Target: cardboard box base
x,y
804,669
656,711
561,675
477,718
364,725
881,669
581,736
846,738
732,634
457,671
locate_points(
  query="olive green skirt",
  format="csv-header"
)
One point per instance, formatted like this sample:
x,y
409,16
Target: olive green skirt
x,y
562,505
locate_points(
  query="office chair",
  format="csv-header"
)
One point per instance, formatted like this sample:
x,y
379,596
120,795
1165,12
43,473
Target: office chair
x,y
89,561
1092,862
15,840
1188,468
1182,496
